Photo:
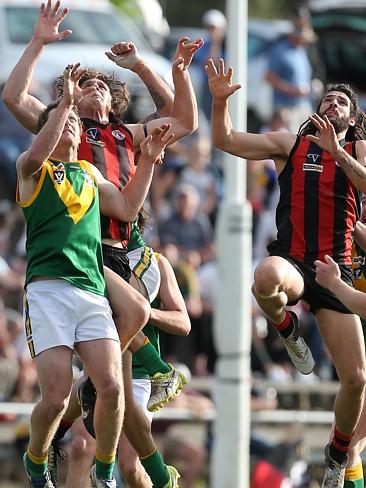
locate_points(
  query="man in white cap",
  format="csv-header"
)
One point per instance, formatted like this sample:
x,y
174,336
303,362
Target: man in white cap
x,y
215,23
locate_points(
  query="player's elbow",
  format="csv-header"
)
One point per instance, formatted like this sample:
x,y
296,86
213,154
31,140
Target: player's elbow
x,y
12,100
128,214
8,98
185,325
186,127
194,121
187,328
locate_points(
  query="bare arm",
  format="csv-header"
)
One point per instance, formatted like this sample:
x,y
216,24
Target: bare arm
x,y
30,162
272,145
359,232
124,205
125,55
16,96
359,235
173,317
44,144
354,168
184,116
185,105
328,275
327,139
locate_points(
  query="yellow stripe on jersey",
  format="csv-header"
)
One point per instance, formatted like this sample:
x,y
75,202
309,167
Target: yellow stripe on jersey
x,y
77,205
37,189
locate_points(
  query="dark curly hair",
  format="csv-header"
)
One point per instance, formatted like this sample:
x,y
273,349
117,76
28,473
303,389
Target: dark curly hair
x,y
354,133
118,89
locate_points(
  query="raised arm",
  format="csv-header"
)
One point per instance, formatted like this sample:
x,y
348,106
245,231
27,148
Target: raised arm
x,y
45,142
16,96
184,115
125,55
184,110
173,317
124,205
250,146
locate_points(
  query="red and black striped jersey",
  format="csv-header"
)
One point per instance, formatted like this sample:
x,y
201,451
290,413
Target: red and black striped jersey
x,y
111,150
318,206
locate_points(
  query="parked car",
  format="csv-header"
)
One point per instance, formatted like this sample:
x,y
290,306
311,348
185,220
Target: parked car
x,y
341,30
262,35
96,25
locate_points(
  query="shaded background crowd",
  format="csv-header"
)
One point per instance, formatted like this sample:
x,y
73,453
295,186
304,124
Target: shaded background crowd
x,y
286,73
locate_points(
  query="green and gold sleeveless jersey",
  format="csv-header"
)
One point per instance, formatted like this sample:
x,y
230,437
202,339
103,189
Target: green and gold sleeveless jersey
x,y
136,240
358,267
63,226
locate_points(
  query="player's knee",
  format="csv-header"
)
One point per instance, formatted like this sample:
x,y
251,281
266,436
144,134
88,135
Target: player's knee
x,y
55,405
129,469
111,394
81,448
355,381
137,318
142,314
266,279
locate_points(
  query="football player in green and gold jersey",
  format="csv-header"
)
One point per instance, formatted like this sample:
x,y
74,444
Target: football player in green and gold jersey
x,y
65,302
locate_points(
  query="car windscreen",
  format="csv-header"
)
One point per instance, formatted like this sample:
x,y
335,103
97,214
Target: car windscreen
x,y
88,27
342,44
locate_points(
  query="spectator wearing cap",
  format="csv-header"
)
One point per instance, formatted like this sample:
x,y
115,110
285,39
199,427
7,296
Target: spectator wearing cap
x,y
215,24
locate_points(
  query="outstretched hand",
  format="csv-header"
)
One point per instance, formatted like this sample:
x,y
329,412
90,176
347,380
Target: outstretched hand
x,y
219,82
327,272
49,20
72,91
124,54
152,147
185,51
326,136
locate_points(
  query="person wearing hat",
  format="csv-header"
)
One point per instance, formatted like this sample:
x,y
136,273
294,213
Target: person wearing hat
x,y
215,24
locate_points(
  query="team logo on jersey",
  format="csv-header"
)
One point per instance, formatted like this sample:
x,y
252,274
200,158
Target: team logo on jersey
x,y
118,135
313,158
58,173
312,167
93,136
